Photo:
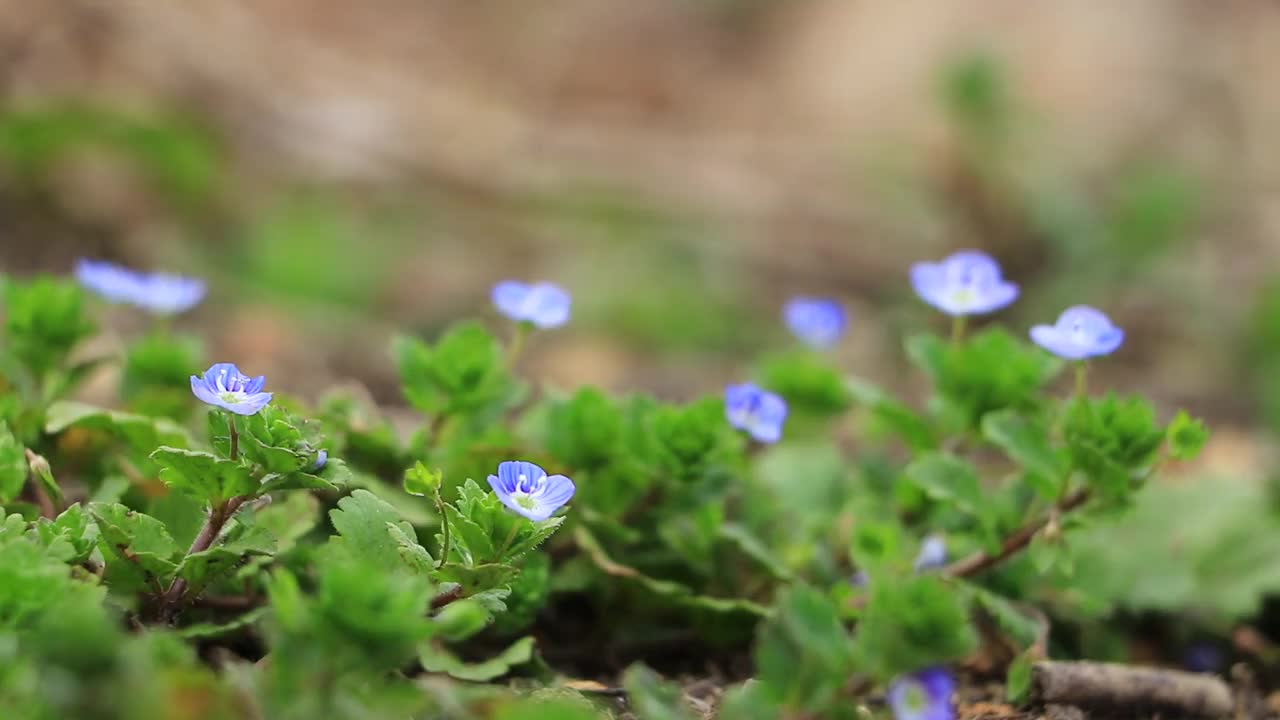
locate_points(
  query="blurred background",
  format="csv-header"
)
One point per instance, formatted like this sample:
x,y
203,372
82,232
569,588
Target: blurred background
x,y
341,170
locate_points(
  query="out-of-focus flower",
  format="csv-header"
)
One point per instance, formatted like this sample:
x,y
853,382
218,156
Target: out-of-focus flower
x,y
759,412
1081,332
543,305
932,554
322,458
818,322
224,386
529,491
966,283
923,695
160,293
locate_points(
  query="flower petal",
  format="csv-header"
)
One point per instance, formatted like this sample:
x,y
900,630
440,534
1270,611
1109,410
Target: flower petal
x,y
556,491
509,296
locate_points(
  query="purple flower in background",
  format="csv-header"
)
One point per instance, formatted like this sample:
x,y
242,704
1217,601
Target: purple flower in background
x,y
923,695
542,304
160,293
818,322
224,386
932,554
966,283
322,458
759,412
529,491
1081,332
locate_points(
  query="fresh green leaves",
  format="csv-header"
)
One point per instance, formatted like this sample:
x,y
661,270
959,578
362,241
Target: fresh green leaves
x,y
13,465
44,321
912,623
204,476
463,374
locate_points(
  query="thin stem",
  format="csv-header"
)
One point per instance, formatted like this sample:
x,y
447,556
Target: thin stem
x,y
234,453
515,529
1082,378
444,530
213,524
982,561
516,346
958,325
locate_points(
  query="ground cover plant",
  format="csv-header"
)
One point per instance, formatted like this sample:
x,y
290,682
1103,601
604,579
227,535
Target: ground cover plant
x,y
209,548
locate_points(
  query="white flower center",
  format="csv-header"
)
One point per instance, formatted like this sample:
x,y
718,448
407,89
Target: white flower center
x,y
524,500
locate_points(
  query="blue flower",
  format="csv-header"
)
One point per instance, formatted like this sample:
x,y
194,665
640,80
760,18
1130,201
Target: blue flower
x,y
759,412
322,458
224,386
543,305
932,554
160,293
529,491
923,695
967,283
818,322
1081,332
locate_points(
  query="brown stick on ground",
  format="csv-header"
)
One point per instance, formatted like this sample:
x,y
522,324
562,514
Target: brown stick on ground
x,y
1124,687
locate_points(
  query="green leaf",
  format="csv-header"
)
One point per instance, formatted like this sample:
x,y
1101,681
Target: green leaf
x,y
1017,684
411,553
204,476
948,479
140,432
751,546
888,415
808,383
1024,440
1113,440
420,481
913,622
200,569
803,654
464,373
363,521
1186,436
652,698
138,550
44,321
461,619
13,465
475,579
529,536
213,630
75,527
435,658
295,481
470,541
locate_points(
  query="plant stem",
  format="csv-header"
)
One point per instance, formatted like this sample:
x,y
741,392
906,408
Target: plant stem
x,y
1082,378
516,346
515,529
958,323
234,453
213,524
981,561
444,530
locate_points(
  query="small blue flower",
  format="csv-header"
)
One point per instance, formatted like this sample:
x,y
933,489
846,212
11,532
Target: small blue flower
x,y
542,304
923,695
759,412
529,491
322,458
224,386
160,293
1081,332
818,322
967,283
932,554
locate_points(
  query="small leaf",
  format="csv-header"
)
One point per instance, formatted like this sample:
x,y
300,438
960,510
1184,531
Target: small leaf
x,y
203,475
652,698
461,619
141,432
137,547
475,579
1024,441
420,481
1018,679
435,658
1186,436
949,479
211,630
13,465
